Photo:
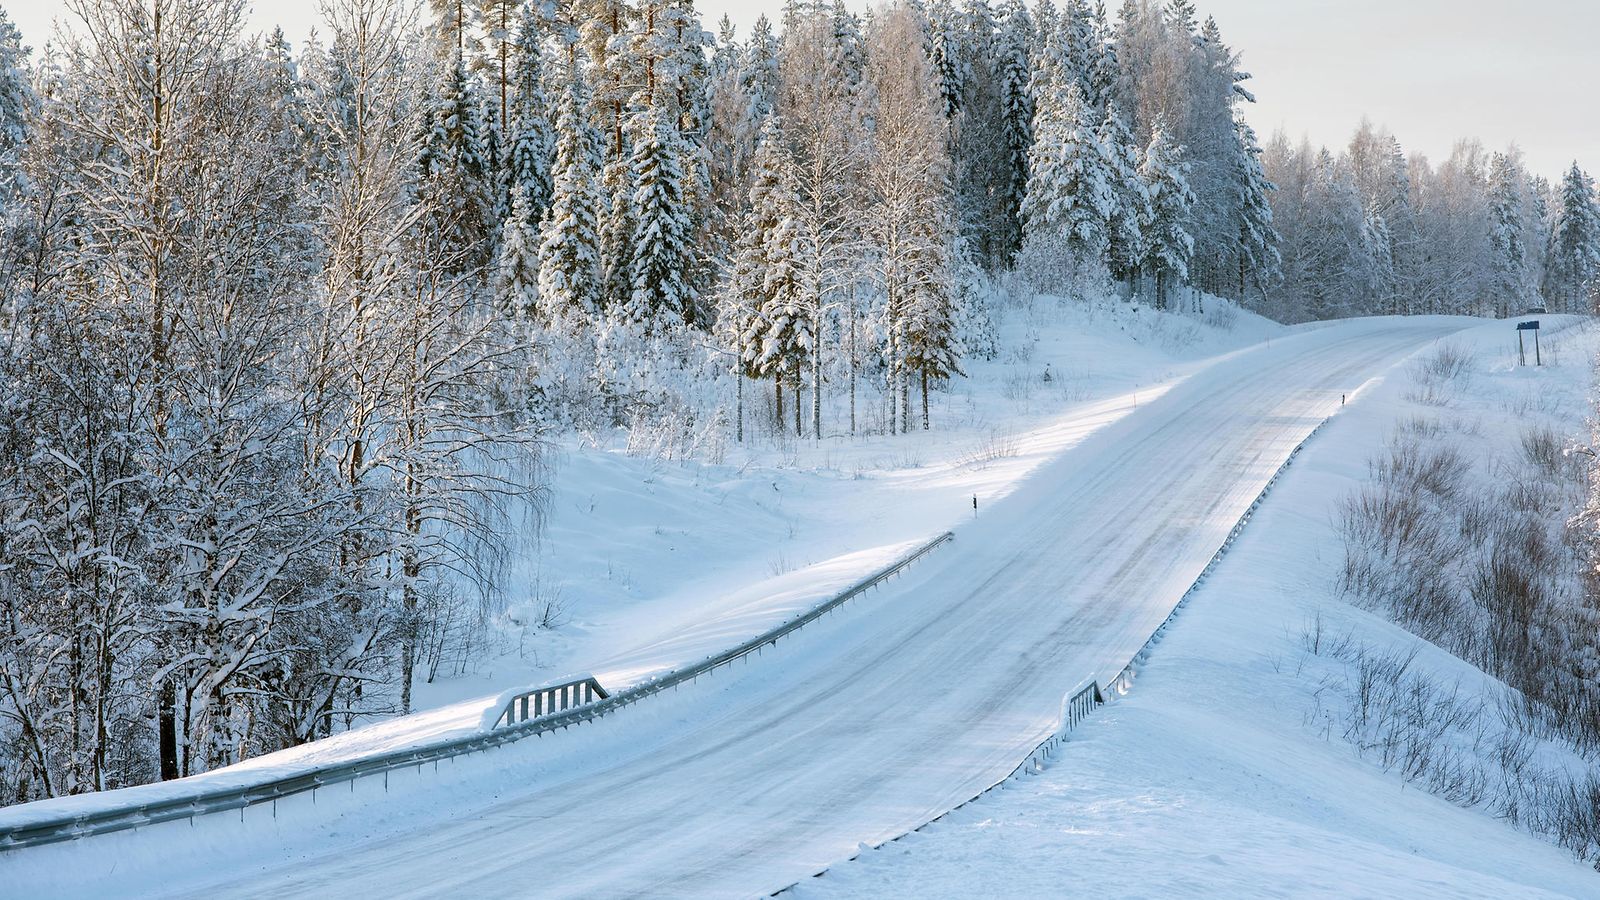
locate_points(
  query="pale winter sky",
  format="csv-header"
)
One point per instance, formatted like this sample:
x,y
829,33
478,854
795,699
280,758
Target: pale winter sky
x,y
1431,70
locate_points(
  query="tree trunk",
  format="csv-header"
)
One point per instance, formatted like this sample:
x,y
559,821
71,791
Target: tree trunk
x,y
777,396
167,725
905,402
852,364
816,376
739,406
924,399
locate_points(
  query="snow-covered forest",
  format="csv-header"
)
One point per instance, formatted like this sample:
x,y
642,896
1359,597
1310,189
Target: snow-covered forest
x,y
285,332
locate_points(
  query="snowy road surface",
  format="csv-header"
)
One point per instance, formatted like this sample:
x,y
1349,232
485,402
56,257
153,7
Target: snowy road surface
x,y
860,728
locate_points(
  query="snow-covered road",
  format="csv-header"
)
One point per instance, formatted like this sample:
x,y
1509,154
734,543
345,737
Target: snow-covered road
x,y
860,728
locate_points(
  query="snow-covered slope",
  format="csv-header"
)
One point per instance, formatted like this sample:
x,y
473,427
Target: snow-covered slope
x,y
1219,774
868,724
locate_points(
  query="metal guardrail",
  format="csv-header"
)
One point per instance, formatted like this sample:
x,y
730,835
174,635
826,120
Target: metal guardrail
x,y
1086,699
543,701
207,801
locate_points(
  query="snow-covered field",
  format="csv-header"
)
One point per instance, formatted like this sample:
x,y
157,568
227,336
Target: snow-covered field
x,y
1224,773
865,725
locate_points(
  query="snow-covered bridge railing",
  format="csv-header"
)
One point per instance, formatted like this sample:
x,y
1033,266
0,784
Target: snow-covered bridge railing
x,y
584,700
545,701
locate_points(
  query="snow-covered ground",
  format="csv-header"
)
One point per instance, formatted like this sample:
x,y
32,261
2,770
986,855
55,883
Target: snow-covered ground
x,y
652,564
863,726
1219,774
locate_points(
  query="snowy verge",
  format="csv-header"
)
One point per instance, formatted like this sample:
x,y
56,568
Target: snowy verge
x,y
81,816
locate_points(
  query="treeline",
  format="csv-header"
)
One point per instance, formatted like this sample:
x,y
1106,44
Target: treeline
x,y
1371,231
281,329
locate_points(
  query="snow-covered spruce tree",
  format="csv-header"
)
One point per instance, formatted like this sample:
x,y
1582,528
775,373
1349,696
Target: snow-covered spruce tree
x,y
907,180
924,327
949,63
1130,205
532,142
660,295
1168,246
516,270
760,69
1508,260
978,145
1259,262
16,104
569,248
1573,265
455,178
1012,74
764,304
1071,187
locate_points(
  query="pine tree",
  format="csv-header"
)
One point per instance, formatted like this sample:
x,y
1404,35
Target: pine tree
x,y
1259,261
569,248
17,101
528,178
1573,269
1016,122
1130,205
1167,241
660,295
760,69
765,277
1507,245
1070,197
949,63
455,170
516,277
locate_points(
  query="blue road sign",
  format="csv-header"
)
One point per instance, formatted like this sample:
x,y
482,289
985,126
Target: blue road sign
x,y
1528,326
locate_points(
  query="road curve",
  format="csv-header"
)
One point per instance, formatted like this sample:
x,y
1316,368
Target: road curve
x,y
860,728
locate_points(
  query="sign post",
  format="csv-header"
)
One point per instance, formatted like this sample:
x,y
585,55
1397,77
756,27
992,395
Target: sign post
x,y
1522,353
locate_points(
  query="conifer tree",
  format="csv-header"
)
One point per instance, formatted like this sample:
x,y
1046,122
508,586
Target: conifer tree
x,y
528,177
1508,259
1070,197
455,170
1572,271
1259,261
1130,204
516,276
760,69
661,243
1012,72
17,101
569,249
1168,245
766,278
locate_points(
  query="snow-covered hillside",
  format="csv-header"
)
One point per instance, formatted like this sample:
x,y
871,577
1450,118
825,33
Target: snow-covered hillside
x,y
1226,771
